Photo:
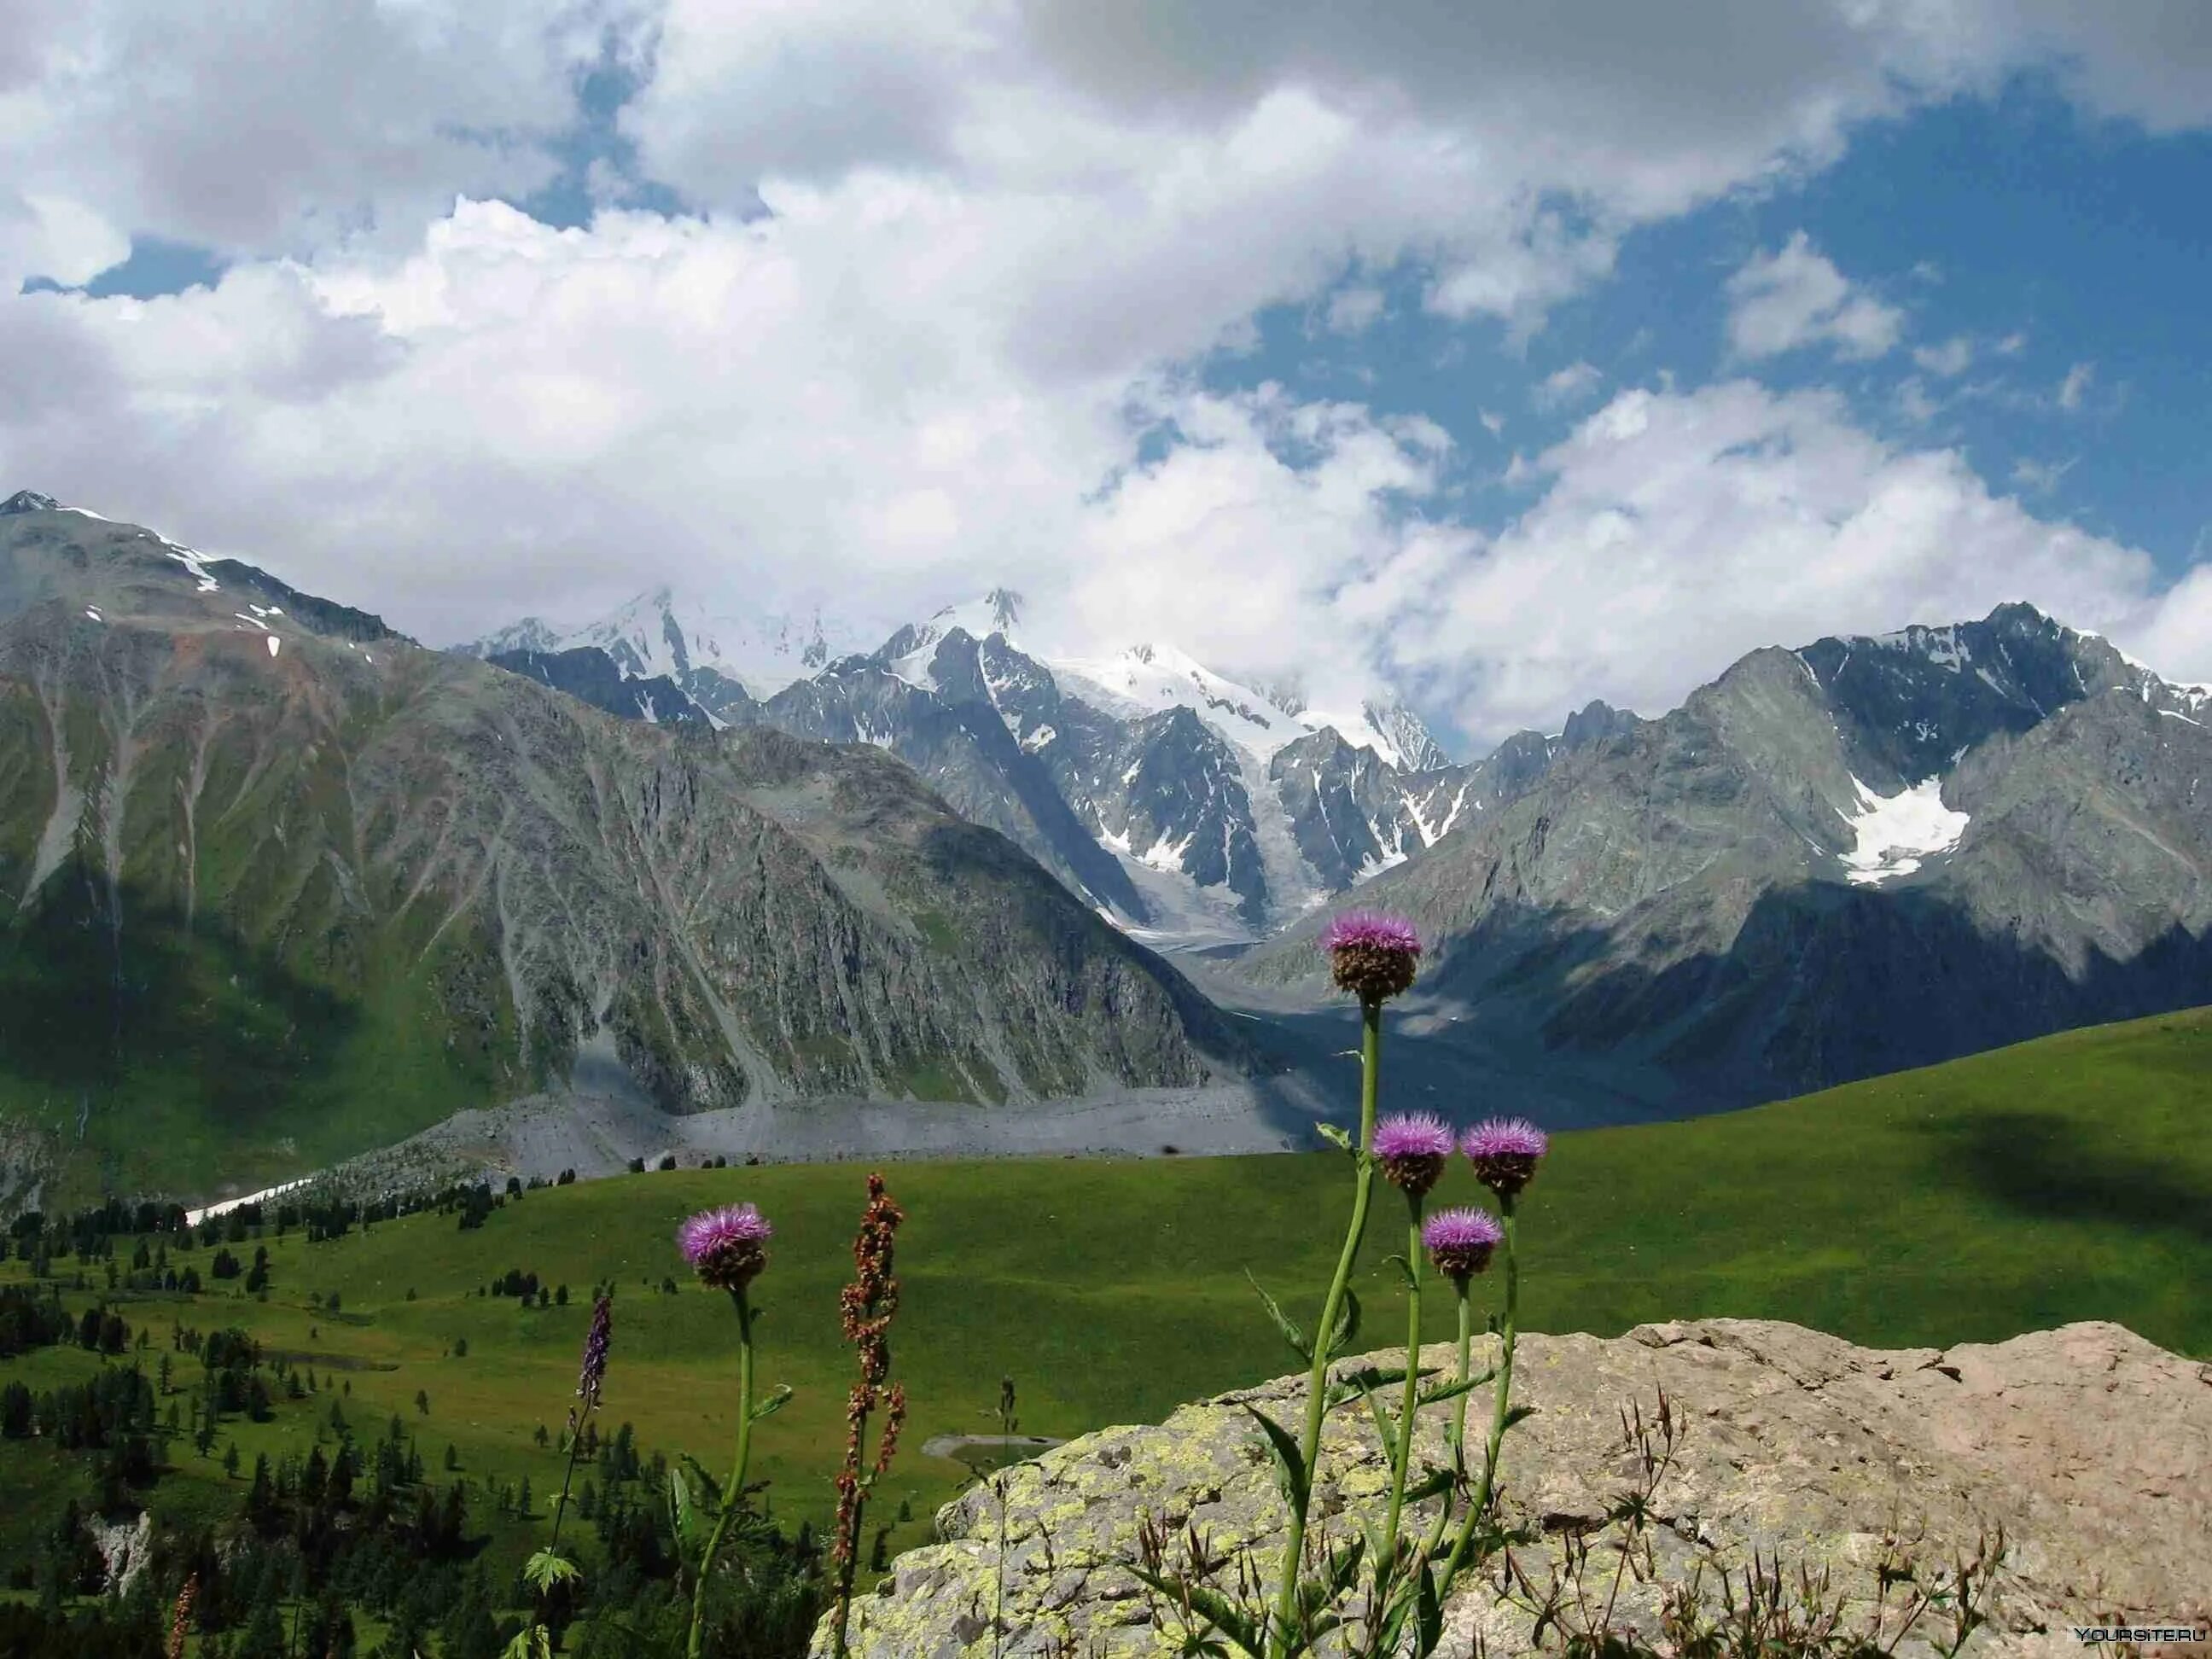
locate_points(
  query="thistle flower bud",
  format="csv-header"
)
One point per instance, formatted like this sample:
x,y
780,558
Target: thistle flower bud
x,y
724,1247
1413,1149
1371,956
1459,1241
1505,1152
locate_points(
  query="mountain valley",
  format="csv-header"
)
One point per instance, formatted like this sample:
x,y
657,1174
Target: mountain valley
x,y
288,888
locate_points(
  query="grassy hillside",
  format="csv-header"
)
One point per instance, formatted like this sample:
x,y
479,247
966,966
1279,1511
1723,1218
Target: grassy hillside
x,y
2066,1179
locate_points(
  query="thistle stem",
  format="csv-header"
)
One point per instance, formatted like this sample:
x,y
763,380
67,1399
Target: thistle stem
x,y
1371,1063
1459,1408
1501,1397
1402,1454
734,1492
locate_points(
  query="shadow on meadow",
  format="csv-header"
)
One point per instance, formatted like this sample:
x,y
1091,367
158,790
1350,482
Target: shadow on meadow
x,y
2040,1165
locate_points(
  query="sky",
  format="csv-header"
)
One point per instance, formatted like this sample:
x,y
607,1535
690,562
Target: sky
x,y
1502,358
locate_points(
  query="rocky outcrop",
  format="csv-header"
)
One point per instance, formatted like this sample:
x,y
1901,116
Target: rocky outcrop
x,y
2090,1447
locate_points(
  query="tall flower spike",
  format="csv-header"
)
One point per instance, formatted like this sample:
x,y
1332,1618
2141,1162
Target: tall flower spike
x,y
724,1247
1459,1241
1412,1150
595,1352
1371,956
1505,1152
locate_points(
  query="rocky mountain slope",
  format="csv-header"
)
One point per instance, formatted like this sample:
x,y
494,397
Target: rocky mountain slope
x,y
280,885
1868,855
1179,802
2089,1446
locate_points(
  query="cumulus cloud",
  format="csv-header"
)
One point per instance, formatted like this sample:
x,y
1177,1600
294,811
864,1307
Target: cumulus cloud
x,y
2075,385
992,235
276,125
1569,385
1680,530
1948,360
1784,302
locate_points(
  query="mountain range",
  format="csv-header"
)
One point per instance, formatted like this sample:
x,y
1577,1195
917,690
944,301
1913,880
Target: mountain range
x,y
1859,856
280,884
1862,855
1179,802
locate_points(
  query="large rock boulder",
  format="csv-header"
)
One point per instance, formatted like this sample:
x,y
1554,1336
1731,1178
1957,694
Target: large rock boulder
x,y
2089,1446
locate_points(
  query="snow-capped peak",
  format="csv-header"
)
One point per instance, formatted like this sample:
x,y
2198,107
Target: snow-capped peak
x,y
662,632
1152,678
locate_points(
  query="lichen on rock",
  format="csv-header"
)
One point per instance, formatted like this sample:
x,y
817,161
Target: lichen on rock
x,y
2090,1447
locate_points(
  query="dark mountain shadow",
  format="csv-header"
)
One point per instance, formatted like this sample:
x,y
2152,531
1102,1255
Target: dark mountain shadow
x,y
1824,984
2043,1165
207,1021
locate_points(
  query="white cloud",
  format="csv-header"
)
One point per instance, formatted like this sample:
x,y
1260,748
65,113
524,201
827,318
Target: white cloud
x,y
1680,531
995,231
1913,402
2041,477
1948,360
2010,345
1354,310
1781,302
263,125
1568,386
1495,423
2076,385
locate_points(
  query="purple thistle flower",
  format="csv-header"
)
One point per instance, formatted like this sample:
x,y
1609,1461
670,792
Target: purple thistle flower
x,y
1459,1241
724,1246
1504,1151
1413,1148
1371,956
595,1352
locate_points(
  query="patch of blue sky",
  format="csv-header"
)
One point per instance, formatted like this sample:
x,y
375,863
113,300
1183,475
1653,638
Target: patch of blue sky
x,y
156,267
2050,269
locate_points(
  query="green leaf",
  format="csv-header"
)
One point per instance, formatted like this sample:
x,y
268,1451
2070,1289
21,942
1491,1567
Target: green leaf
x,y
1405,1271
1386,1423
1284,1322
680,1506
1231,1620
1348,1324
1453,1390
1335,1137
1344,1566
1347,1387
530,1642
1434,1483
1288,1458
773,1403
544,1570
1430,1613
693,1500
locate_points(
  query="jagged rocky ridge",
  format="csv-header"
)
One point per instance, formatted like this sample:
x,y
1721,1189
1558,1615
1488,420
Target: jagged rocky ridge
x,y
1866,855
2091,1447
264,864
1221,812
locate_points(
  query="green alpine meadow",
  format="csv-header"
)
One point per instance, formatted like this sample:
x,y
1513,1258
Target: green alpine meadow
x,y
1966,1201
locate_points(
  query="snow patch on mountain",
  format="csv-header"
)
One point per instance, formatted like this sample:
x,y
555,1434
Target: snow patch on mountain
x,y
1895,833
1939,645
1151,678
659,633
